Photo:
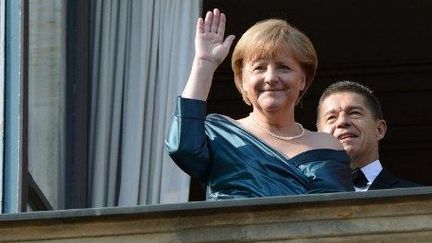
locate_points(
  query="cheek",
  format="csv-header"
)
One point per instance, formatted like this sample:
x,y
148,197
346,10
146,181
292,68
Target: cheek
x,y
370,130
328,129
325,128
250,83
295,78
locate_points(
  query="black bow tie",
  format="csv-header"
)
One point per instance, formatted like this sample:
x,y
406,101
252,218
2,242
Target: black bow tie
x,y
359,179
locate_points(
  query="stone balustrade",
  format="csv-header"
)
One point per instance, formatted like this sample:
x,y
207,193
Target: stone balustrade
x,y
399,215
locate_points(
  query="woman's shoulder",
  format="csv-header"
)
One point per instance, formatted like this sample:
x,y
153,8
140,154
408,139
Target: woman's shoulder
x,y
321,140
222,121
219,118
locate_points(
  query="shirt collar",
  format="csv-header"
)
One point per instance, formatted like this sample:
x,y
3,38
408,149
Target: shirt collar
x,y
372,170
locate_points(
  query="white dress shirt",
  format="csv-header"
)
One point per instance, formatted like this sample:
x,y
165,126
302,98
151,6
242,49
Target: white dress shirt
x,y
371,171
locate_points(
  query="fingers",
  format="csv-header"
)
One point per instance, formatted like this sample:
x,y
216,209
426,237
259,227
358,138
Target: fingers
x,y
228,41
215,22
222,22
200,27
208,21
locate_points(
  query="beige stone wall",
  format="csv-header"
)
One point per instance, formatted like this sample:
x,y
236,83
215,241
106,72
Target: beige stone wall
x,y
349,217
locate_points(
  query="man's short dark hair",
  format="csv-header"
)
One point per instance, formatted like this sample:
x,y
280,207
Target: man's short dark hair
x,y
371,100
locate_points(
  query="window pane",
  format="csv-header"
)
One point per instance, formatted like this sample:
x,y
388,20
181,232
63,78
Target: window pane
x,y
46,97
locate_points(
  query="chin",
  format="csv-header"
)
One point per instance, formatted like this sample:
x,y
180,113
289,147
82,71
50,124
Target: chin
x,y
349,151
271,105
271,108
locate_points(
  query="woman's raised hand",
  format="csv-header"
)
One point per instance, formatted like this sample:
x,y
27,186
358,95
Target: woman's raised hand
x,y
210,50
210,45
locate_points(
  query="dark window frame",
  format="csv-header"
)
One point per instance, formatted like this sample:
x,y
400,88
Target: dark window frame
x,y
77,92
77,88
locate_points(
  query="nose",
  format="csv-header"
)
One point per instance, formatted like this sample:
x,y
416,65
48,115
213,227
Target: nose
x,y
271,75
342,121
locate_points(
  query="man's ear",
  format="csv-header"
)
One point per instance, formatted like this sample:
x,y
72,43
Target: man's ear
x,y
381,129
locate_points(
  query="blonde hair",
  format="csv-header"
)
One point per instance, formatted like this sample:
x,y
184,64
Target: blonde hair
x,y
268,38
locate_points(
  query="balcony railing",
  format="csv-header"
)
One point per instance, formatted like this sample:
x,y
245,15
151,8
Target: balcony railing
x,y
398,215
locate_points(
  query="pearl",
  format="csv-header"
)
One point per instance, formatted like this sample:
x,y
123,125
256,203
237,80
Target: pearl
x,y
284,138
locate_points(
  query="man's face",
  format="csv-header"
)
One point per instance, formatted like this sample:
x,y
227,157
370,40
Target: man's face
x,y
346,116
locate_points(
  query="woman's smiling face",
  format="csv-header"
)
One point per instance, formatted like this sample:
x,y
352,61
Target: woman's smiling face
x,y
273,83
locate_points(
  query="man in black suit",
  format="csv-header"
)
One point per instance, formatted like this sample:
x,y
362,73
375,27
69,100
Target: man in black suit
x,y
352,113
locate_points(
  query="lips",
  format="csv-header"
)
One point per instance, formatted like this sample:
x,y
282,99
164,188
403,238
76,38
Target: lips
x,y
346,135
272,90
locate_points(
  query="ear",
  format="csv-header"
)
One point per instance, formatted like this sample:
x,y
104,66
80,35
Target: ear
x,y
303,83
241,77
243,84
302,86
244,88
381,129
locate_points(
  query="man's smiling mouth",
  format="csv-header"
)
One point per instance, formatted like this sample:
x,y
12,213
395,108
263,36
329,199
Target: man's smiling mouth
x,y
346,136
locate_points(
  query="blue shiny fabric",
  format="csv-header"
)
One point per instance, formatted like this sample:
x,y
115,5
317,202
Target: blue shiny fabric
x,y
235,164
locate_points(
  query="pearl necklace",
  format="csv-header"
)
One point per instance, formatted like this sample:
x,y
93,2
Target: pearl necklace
x,y
284,138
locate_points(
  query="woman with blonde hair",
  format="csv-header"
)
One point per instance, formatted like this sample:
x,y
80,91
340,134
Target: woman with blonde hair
x,y
266,153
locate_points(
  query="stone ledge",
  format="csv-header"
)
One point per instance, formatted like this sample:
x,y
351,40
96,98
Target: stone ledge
x,y
397,215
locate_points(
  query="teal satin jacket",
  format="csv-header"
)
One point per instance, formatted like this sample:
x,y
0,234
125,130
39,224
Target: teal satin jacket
x,y
233,163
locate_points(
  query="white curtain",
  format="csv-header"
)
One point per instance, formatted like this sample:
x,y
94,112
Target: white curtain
x,y
142,54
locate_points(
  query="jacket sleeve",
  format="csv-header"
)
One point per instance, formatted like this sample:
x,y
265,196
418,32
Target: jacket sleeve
x,y
186,141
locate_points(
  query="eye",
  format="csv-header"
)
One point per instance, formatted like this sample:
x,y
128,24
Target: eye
x,y
258,68
284,68
330,119
355,113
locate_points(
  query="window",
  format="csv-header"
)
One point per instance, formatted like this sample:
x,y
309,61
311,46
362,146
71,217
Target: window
x,y
48,86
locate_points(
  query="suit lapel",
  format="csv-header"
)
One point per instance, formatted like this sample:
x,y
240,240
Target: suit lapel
x,y
384,180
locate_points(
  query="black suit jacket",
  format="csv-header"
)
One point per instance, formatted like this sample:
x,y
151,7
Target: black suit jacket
x,y
386,180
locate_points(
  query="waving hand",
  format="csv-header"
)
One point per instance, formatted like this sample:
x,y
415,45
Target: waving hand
x,y
210,50
209,40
